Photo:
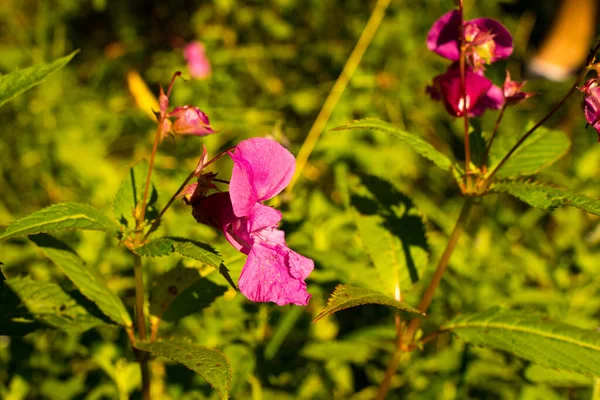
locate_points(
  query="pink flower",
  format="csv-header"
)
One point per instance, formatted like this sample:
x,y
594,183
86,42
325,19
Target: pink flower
x,y
591,103
487,40
512,91
198,64
481,94
273,272
190,120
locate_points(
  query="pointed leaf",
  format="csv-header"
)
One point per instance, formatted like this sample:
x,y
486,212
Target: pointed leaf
x,y
533,337
210,364
130,194
542,149
49,303
416,142
547,197
392,231
60,217
19,81
87,280
346,296
160,247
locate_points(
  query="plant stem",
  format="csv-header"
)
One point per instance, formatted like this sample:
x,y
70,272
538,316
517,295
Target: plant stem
x,y
463,92
589,61
489,145
405,341
338,88
166,207
157,136
141,325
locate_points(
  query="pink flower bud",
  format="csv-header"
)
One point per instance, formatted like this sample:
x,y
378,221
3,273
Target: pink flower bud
x,y
512,91
591,103
198,64
190,120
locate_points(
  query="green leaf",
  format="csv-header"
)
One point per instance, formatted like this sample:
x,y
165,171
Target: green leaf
x,y
346,296
210,364
130,194
556,378
547,197
417,143
60,217
542,149
179,292
198,251
392,231
533,337
19,81
49,303
87,280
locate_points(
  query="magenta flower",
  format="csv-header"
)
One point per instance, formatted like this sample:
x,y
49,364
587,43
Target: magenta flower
x,y
487,40
512,91
591,103
481,94
190,120
273,272
198,63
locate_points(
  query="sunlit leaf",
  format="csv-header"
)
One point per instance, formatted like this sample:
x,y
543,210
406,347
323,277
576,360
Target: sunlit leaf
x,y
346,296
547,197
85,278
130,194
416,142
60,217
19,81
533,337
392,231
210,364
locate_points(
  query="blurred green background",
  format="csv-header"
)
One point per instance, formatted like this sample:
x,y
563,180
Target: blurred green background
x,y
274,61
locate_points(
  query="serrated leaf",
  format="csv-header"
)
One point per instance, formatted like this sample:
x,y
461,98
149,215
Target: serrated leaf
x,y
160,247
180,292
210,364
21,80
530,336
543,148
49,303
188,248
130,194
86,279
547,197
392,231
417,143
60,217
346,296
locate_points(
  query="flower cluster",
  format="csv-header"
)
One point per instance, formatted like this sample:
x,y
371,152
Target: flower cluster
x,y
262,169
485,41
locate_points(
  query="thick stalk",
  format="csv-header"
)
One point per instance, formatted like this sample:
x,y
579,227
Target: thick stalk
x,y
489,145
142,356
465,102
405,341
590,59
338,88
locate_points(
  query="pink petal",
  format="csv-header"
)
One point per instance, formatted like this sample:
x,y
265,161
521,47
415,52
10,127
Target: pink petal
x,y
443,37
198,64
449,89
190,120
275,273
493,98
502,37
261,169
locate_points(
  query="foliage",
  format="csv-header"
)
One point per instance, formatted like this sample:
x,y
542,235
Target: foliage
x,y
515,315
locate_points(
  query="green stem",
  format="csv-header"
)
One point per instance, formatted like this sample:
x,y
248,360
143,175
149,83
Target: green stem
x,y
338,88
142,356
157,136
463,92
489,145
405,341
166,207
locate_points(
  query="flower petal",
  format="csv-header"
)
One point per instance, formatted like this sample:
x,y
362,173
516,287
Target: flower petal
x,y
195,55
443,37
493,98
502,38
275,273
262,168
